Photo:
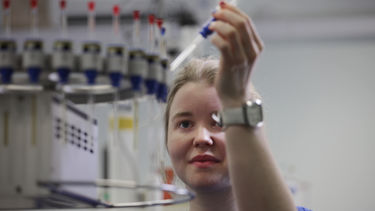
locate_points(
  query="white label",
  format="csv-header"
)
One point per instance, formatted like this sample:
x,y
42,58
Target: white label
x,y
116,64
90,61
32,59
62,59
138,66
6,59
154,71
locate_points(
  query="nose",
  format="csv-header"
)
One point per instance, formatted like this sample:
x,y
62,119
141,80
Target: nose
x,y
202,137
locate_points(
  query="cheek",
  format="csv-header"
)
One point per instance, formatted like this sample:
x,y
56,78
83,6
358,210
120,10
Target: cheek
x,y
221,143
178,146
175,147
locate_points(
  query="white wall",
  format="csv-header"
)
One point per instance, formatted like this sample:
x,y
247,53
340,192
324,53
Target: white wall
x,y
319,107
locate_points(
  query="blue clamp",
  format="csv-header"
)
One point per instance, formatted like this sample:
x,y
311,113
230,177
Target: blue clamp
x,y
303,209
162,93
34,73
63,74
6,75
115,79
136,82
152,86
91,76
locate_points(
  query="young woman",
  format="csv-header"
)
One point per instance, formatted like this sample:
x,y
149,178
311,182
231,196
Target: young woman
x,y
231,167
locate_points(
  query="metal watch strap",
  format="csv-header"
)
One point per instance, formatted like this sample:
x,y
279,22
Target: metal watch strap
x,y
233,116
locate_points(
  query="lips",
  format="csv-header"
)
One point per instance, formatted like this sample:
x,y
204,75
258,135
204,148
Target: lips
x,y
204,158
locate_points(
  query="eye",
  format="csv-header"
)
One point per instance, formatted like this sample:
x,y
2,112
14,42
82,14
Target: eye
x,y
185,124
217,125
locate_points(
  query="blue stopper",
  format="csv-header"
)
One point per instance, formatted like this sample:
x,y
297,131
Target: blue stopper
x,y
63,74
162,93
136,82
205,32
115,79
6,75
34,73
152,86
91,76
303,209
162,31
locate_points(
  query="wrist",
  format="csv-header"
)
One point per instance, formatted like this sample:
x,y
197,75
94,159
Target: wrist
x,y
249,113
231,103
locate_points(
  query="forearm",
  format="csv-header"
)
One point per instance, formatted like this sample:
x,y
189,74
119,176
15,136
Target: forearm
x,y
256,180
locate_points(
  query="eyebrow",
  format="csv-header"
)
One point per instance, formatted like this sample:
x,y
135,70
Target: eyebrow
x,y
182,114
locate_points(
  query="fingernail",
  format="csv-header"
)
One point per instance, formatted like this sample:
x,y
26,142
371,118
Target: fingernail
x,y
213,12
222,4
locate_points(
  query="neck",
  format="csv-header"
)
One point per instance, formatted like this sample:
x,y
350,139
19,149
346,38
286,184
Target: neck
x,y
213,201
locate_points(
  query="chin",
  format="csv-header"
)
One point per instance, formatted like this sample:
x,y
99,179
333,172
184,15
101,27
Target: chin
x,y
207,183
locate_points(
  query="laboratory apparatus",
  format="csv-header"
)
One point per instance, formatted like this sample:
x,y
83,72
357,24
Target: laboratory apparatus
x,y
52,96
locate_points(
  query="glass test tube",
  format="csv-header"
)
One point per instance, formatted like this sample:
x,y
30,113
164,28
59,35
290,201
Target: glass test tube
x,y
136,29
7,17
63,19
116,70
203,34
34,18
91,19
151,34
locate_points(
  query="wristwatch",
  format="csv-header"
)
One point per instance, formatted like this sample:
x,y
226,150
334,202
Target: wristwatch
x,y
250,114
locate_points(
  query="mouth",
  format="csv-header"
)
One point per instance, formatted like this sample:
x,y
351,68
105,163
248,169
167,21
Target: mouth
x,y
204,161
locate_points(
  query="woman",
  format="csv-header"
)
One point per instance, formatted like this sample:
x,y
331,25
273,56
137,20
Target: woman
x,y
228,168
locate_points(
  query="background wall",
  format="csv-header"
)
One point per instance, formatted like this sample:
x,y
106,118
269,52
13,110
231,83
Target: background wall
x,y
319,116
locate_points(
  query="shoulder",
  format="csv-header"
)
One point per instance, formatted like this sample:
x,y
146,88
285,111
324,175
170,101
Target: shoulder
x,y
303,209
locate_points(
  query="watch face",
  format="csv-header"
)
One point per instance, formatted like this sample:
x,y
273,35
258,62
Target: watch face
x,y
255,113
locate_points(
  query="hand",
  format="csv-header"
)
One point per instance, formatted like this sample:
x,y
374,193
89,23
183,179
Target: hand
x,y
240,46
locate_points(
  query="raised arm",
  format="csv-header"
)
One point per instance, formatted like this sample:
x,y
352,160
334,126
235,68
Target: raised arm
x,y
256,180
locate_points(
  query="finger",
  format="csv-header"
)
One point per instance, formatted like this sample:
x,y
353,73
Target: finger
x,y
249,45
230,34
223,46
249,22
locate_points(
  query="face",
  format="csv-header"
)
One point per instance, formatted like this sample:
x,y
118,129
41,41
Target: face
x,y
195,142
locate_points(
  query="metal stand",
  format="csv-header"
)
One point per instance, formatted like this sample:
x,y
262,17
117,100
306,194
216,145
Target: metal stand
x,y
180,195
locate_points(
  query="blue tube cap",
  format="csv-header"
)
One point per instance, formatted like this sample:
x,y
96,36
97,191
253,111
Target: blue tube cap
x,y
152,86
63,75
34,73
91,76
115,78
162,93
136,82
6,75
205,32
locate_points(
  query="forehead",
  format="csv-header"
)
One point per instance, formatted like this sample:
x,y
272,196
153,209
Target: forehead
x,y
196,97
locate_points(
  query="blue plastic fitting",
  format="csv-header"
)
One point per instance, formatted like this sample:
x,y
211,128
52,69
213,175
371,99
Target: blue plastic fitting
x,y
115,79
34,73
6,75
303,209
205,32
91,76
136,82
63,74
162,93
152,86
